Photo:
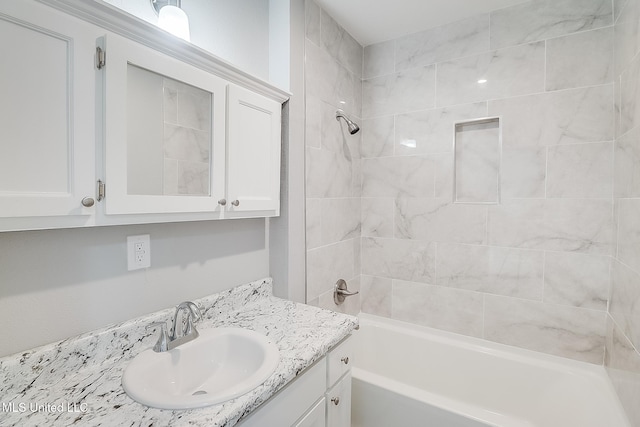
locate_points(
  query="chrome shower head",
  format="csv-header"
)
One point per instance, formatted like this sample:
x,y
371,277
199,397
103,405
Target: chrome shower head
x,y
353,128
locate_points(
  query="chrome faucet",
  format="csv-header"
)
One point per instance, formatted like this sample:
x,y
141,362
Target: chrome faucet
x,y
187,329
179,334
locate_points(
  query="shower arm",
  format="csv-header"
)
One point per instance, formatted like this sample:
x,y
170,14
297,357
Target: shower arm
x,y
352,126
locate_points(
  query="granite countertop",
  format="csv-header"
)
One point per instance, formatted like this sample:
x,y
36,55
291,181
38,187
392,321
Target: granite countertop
x,y
77,381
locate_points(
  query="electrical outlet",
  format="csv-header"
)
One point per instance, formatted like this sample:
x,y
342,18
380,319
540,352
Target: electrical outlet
x,y
138,252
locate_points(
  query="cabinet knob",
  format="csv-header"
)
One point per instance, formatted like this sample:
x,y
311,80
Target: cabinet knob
x,y
222,202
335,400
345,360
87,202
235,202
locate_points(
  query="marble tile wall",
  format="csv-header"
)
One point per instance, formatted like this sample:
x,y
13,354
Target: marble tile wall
x,y
533,270
554,266
623,328
333,80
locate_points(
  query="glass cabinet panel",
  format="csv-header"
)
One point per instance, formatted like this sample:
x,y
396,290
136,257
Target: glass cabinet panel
x,y
169,136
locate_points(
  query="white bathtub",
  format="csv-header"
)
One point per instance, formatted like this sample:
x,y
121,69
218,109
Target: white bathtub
x,y
406,375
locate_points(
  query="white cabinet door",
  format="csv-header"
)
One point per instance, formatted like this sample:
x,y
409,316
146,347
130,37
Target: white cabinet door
x,y
253,154
316,417
47,125
164,133
292,402
339,403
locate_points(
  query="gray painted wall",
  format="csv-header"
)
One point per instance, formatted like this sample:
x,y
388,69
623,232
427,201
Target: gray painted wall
x,y
59,283
234,30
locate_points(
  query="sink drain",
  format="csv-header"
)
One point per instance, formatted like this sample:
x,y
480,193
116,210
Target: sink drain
x,y
199,392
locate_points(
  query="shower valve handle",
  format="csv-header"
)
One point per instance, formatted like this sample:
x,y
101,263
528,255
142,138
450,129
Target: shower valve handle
x,y
340,292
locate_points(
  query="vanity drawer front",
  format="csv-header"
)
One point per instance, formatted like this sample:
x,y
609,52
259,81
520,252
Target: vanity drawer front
x,y
340,360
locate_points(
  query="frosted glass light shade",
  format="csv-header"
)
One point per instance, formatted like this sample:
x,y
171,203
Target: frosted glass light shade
x,y
174,20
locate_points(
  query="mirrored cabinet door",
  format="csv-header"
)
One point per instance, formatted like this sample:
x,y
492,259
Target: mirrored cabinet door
x,y
164,133
47,126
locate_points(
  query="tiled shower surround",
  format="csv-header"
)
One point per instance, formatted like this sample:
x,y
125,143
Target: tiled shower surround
x,y
333,80
533,271
623,328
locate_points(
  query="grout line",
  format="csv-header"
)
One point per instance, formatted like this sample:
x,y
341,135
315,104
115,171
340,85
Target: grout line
x,y
623,333
544,75
435,85
491,29
627,266
486,226
491,50
615,212
435,264
610,287
484,316
490,100
395,55
546,171
544,273
393,286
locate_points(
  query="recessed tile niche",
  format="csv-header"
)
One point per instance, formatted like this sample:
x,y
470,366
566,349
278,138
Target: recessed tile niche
x,y
477,148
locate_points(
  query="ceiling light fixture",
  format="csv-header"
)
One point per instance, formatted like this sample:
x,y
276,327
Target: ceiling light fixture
x,y
172,18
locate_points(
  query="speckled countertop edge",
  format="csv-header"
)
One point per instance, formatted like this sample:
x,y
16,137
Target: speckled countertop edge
x,y
77,381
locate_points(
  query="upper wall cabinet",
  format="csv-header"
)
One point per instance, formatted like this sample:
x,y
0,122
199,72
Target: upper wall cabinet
x,y
181,140
160,131
164,133
47,122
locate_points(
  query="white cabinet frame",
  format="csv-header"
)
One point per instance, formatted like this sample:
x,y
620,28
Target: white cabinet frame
x,y
120,54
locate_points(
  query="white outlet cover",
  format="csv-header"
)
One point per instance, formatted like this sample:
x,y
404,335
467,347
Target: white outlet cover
x,y
138,252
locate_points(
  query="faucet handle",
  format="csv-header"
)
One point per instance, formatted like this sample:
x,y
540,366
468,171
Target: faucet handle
x,y
194,310
191,329
163,340
193,317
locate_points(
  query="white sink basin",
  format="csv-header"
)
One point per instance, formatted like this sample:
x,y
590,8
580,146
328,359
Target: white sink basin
x,y
219,365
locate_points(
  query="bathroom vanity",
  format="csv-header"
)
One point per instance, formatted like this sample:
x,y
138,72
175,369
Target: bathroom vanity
x,y
78,380
320,397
